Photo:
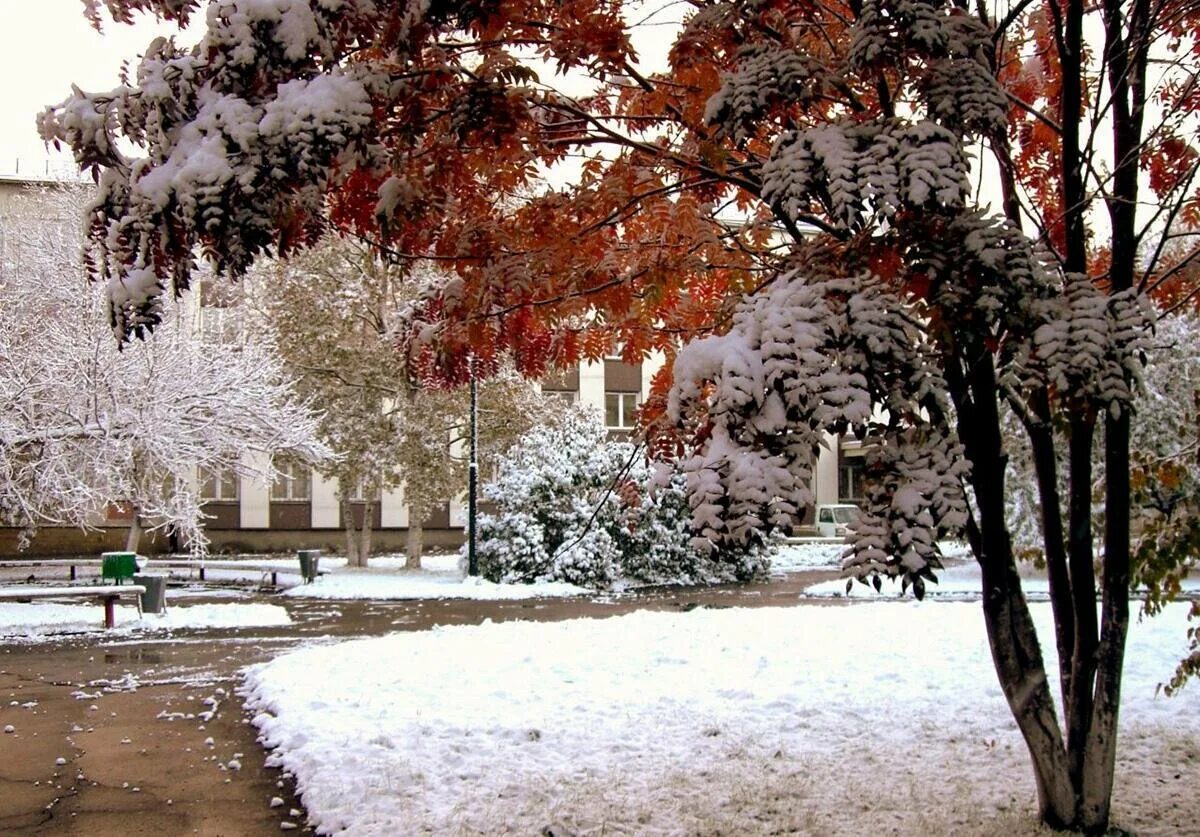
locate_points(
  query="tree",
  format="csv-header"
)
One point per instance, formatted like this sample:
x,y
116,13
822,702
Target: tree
x,y
85,425
571,504
334,312
866,289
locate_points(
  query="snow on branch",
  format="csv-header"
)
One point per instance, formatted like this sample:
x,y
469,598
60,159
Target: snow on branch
x,y
805,358
1092,345
241,135
84,424
859,171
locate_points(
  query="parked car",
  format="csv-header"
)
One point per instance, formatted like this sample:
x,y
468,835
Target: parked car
x,y
834,519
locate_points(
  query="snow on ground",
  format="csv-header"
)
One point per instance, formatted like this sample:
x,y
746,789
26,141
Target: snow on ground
x,y
961,581
35,620
827,555
438,578
869,718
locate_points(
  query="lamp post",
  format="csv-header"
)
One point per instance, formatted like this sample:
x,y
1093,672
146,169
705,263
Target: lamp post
x,y
472,474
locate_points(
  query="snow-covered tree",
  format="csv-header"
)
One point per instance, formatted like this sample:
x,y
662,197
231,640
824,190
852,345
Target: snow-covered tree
x,y
573,505
1162,431
84,425
843,132
334,311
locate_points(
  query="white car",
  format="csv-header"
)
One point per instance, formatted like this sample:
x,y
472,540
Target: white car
x,y
833,520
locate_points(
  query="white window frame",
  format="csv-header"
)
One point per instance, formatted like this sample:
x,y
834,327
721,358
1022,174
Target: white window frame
x,y
291,472
219,481
625,412
220,325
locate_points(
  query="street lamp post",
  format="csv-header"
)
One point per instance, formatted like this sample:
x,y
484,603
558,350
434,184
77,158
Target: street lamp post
x,y
472,475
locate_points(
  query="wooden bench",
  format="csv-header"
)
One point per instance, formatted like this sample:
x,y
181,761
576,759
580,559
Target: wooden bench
x,y
108,594
265,570
73,564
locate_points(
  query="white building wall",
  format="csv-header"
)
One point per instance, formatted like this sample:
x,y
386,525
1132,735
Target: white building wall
x,y
591,385
256,497
825,475
325,512
650,366
393,510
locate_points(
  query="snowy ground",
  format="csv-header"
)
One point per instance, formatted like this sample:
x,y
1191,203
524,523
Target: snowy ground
x,y
824,555
960,582
438,578
870,718
38,620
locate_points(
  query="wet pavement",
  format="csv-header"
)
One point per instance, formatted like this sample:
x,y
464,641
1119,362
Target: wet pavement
x,y
145,734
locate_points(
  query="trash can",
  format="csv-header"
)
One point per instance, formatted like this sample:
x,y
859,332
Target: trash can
x,y
154,600
118,565
308,563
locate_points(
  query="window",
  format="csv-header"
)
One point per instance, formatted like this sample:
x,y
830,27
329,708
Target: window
x,y
218,485
220,325
620,409
293,482
358,494
561,397
850,479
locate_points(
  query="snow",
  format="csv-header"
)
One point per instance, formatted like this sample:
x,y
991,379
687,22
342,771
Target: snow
x,y
962,581
35,591
809,719
439,578
40,619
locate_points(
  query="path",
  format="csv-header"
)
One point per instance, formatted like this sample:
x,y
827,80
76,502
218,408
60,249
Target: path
x,y
117,711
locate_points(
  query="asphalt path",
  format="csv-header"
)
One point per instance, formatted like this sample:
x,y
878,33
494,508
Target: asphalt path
x,y
147,734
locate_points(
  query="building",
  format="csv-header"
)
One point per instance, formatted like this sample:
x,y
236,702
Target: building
x,y
301,509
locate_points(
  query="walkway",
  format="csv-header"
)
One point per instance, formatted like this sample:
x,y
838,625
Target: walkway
x,y
127,717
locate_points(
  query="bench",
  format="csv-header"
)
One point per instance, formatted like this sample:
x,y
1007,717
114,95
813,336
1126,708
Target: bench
x,y
265,570
108,594
73,564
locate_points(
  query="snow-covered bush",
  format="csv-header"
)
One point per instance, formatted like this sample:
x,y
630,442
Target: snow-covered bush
x,y
573,505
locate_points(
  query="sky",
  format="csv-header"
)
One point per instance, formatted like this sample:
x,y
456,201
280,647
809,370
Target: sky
x,y
48,45
45,47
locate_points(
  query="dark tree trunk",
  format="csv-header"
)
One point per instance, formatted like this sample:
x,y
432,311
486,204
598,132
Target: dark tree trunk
x,y
134,537
1045,460
1078,706
1012,637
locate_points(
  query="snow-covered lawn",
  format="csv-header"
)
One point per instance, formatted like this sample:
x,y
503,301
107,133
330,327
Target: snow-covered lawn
x,y
869,718
438,578
962,581
823,555
36,620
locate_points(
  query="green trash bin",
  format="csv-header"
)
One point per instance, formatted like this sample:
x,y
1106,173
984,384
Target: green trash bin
x,y
118,565
154,600
308,563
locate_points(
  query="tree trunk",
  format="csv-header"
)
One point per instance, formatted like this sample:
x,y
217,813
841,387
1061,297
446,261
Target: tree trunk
x,y
1045,460
348,527
1127,53
135,532
415,541
364,540
1100,756
1078,707
1012,637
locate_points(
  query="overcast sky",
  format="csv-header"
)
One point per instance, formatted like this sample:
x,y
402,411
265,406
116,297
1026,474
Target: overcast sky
x,y
45,47
48,45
